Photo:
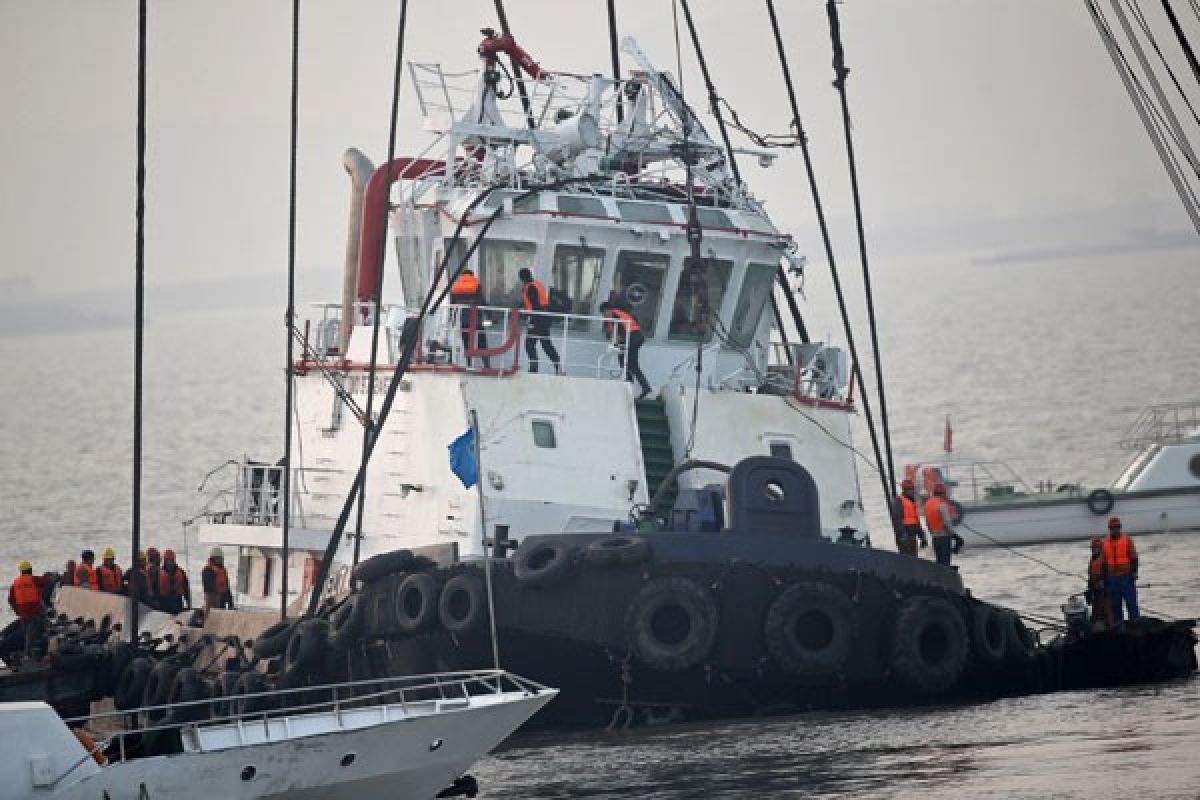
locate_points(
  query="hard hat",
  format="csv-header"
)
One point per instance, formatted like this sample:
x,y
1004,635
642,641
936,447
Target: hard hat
x,y
24,566
108,553
168,554
939,488
907,483
152,554
1114,523
216,553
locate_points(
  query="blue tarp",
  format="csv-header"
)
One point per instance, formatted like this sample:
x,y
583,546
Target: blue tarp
x,y
462,459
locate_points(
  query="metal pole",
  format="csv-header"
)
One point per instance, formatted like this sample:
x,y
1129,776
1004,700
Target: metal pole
x,y
139,316
290,323
487,552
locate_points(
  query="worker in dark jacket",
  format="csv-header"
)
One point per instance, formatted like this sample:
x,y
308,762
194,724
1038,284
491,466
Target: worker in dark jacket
x,y
137,584
215,579
153,565
1096,594
467,291
25,599
911,531
534,299
172,591
627,335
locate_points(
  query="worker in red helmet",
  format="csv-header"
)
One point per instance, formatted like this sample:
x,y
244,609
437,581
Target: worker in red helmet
x,y
939,516
1096,594
1120,572
909,513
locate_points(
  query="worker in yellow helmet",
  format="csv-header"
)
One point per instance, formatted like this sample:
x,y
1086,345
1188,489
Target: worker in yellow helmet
x,y
25,599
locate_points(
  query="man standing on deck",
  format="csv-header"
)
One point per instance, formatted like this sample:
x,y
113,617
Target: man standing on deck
x,y
629,339
910,520
939,516
25,599
171,585
137,585
85,573
1097,595
467,291
109,575
153,565
216,582
1120,572
535,298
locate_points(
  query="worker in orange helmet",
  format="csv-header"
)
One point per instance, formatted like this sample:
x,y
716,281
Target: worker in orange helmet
x,y
939,516
910,520
1096,594
1120,572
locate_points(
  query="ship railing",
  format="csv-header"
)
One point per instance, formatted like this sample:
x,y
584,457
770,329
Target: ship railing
x,y
254,498
444,690
1164,423
988,480
811,372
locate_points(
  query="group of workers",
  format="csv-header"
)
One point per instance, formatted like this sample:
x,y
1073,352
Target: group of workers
x,y
536,301
1112,577
156,579
939,517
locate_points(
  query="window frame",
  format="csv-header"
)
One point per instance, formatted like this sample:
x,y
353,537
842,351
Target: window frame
x,y
541,423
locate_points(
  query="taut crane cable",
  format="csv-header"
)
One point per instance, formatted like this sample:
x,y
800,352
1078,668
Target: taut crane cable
x,y
290,314
616,58
1184,44
714,106
1140,16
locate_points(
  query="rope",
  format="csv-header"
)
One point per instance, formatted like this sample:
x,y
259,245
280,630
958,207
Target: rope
x,y
139,302
370,431
290,314
1182,37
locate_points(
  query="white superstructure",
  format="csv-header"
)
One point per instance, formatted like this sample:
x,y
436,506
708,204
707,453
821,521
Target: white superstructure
x,y
596,208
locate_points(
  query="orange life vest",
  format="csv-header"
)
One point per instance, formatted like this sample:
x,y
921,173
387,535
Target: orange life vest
x,y
543,297
110,578
1096,569
85,577
933,514
624,316
909,508
1119,554
171,585
27,597
466,286
220,578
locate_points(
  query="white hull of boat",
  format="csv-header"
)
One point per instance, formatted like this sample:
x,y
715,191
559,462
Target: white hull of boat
x,y
1070,519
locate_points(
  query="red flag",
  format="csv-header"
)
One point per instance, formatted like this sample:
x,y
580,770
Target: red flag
x,y
948,437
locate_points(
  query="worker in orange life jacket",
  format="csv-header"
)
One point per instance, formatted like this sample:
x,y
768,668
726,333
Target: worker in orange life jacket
x,y
137,584
535,298
627,334
1120,572
109,574
939,516
69,578
911,531
25,599
85,573
172,588
216,582
467,291
1096,594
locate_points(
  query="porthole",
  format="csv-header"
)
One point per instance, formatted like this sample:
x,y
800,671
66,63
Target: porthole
x,y
348,759
1194,465
543,433
248,773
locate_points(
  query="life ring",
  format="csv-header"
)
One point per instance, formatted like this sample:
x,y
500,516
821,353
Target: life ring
x,y
989,634
543,563
671,623
810,630
382,565
89,744
957,512
463,604
274,640
223,689
188,687
132,684
617,550
158,686
304,649
929,644
416,603
248,684
1021,642
1100,501
347,621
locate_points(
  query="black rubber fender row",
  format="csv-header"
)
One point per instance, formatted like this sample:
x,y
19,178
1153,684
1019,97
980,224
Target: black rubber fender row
x,y
546,562
999,635
418,605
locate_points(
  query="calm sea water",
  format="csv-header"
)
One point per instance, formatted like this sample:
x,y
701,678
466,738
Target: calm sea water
x,y
1040,364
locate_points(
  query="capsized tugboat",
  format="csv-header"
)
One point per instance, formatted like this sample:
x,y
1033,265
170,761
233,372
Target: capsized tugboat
x,y
699,553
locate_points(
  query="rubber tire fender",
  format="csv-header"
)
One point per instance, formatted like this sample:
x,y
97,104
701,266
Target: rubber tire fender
x,y
120,657
158,686
346,622
668,651
132,684
1019,640
543,563
929,644
989,634
810,629
455,617
382,565
188,687
304,649
274,640
419,590
617,550
251,683
1100,501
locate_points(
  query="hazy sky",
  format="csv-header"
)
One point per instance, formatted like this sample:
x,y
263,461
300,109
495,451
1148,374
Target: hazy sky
x,y
969,114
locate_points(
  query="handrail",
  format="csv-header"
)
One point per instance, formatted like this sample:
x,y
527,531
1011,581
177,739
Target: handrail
x,y
1163,423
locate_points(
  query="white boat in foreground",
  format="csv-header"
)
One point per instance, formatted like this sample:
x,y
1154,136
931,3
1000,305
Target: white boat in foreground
x,y
396,738
1157,492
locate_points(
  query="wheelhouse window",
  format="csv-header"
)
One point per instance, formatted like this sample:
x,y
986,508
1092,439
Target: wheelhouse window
x,y
499,263
543,434
639,279
574,204
632,211
699,289
576,273
521,201
713,218
756,290
782,450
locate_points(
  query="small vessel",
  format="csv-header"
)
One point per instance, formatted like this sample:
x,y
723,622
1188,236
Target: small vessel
x,y
1157,492
400,738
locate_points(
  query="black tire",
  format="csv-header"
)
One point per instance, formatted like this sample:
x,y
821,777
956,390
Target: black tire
x,y
251,683
989,634
1019,640
158,688
671,623
120,657
810,630
957,512
274,640
416,603
463,604
188,687
929,644
1100,501
384,564
617,550
543,563
223,690
347,621
304,649
132,684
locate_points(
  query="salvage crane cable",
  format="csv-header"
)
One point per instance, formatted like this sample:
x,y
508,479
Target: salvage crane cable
x,y
1140,16
1184,44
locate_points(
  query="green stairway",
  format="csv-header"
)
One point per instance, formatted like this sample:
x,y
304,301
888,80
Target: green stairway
x,y
655,435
